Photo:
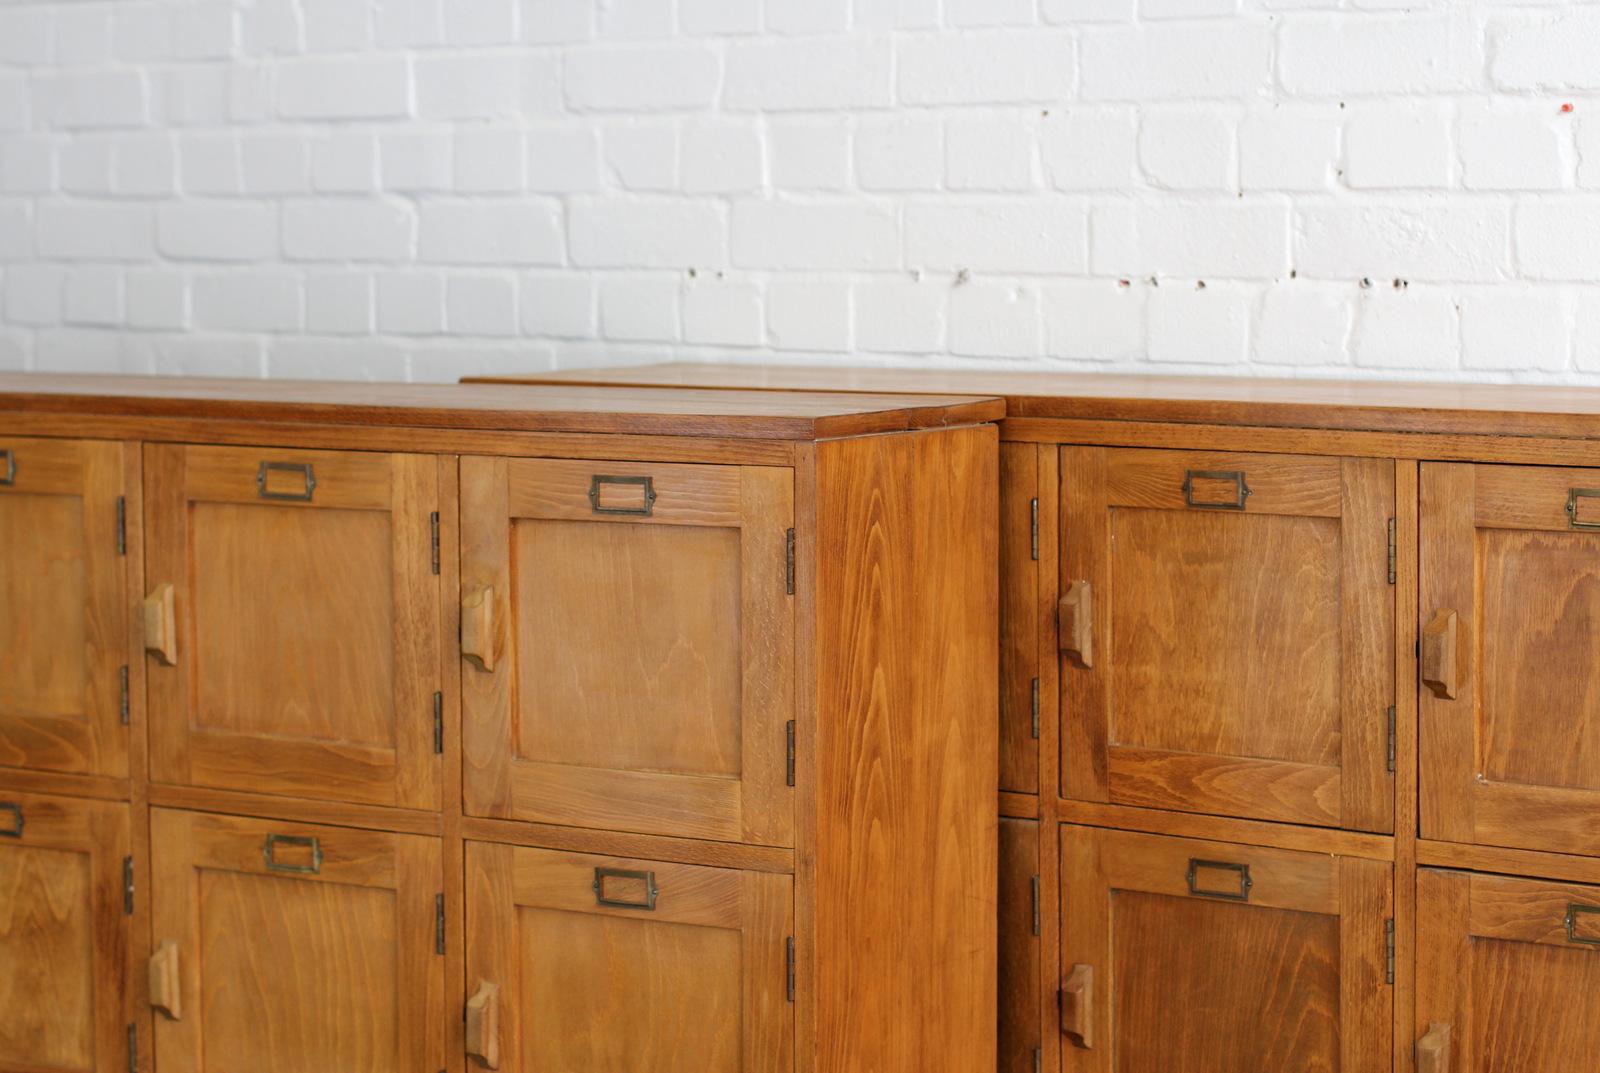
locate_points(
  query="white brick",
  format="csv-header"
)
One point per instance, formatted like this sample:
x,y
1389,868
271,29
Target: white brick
x,y
720,16
140,32
1516,327
218,231
722,313
832,235
994,320
988,67
647,233
271,28
1228,239
337,359
14,102
557,21
1187,9
1548,53
1411,240
1168,61
409,23
489,161
640,308
815,73
655,78
1398,146
1063,11
91,99
1515,148
1304,324
808,16
16,234
203,31
808,315
989,12
1407,329
410,303
558,304
84,352
344,89
93,297
900,154
1011,235
209,164
32,294
1094,320
1090,148
157,300
1325,55
192,96
249,302
1289,149
987,152
1190,325
345,164
482,22
250,92
896,14
339,25
481,305
346,231
489,234
27,165
83,35
900,316
15,352
144,166
339,303
417,162
1559,239
1588,146
26,36
804,154
721,158
642,155
86,166
628,19
275,163
1586,330
95,232
1188,148
486,87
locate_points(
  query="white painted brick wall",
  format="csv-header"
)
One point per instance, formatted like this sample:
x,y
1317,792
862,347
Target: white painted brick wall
x,y
426,188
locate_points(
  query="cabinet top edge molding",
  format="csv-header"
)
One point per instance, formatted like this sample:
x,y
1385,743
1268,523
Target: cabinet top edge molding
x,y
1352,405
764,415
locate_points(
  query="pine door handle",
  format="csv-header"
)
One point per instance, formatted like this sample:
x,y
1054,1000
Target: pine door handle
x,y
166,987
1075,622
1433,1050
1077,1006
480,628
1438,656
483,1025
161,624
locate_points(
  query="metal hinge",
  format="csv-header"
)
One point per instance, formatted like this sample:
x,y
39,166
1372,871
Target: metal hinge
x,y
1388,951
788,562
438,923
1033,507
433,528
788,966
122,525
1393,554
133,1048
127,886
788,764
1038,1059
122,703
1035,885
1035,702
1391,738
438,723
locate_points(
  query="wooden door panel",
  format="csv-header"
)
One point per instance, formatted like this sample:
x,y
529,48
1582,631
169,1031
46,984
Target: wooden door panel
x,y
1511,587
63,611
1020,955
305,650
298,948
628,656
1227,633
607,963
1499,970
64,937
1019,618
1203,957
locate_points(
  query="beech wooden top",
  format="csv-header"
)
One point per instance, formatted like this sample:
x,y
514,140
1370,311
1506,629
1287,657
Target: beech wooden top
x,y
560,408
1382,406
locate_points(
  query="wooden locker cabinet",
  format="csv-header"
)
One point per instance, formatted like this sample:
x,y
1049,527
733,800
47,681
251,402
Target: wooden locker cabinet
x,y
1020,964
292,621
1192,956
628,645
668,967
294,948
63,608
65,934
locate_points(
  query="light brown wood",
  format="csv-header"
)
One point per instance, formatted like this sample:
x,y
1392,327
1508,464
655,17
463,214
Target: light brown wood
x,y
160,625
1077,1006
483,1025
1439,647
1433,1050
301,947
63,619
1021,696
1020,954
482,628
1076,622
165,981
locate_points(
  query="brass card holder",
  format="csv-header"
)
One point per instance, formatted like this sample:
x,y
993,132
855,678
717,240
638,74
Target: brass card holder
x,y
1196,866
1575,494
269,852
15,830
646,484
301,469
1574,912
1241,490
8,467
648,903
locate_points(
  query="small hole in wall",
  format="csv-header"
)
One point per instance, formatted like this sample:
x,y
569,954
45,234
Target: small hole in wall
x,y
1199,284
1366,284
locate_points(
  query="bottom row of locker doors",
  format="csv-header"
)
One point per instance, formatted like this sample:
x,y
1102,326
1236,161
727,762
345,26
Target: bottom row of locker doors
x,y
295,948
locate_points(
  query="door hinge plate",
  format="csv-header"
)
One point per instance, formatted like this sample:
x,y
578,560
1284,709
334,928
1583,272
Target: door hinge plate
x,y
1036,906
438,923
1393,551
1035,706
788,764
122,702
433,531
1391,739
133,1048
1038,1059
788,967
122,525
127,886
1033,527
788,562
1388,951
438,723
